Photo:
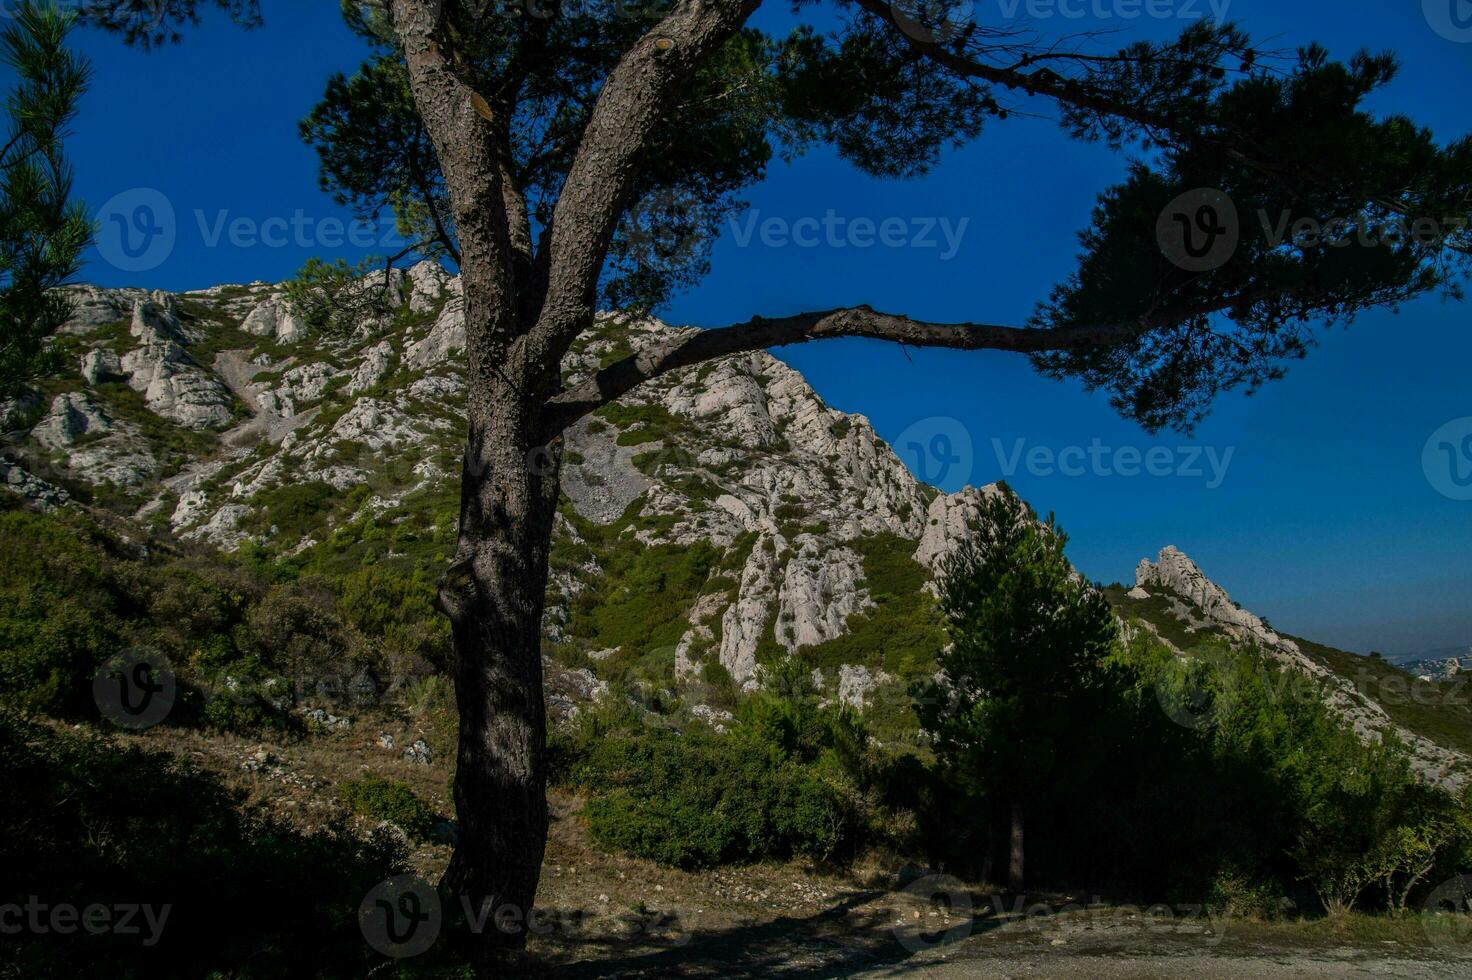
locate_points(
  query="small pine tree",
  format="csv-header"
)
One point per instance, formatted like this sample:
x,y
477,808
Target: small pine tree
x,y
42,232
1024,674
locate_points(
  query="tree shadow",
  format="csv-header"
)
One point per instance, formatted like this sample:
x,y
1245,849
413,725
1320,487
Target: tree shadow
x,y
851,935
127,863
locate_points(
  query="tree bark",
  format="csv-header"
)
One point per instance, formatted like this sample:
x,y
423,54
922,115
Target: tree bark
x,y
1015,859
494,594
494,590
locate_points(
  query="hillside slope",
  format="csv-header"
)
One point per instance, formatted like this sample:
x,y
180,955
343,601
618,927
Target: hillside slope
x,y
1175,601
716,520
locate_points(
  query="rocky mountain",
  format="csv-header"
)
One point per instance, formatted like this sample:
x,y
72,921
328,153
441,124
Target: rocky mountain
x,y
216,415
717,521
1174,600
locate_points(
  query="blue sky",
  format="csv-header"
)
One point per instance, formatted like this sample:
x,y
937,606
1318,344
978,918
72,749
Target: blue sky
x,y
1317,511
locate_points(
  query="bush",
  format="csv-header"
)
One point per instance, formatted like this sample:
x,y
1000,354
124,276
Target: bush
x,y
777,786
59,611
293,509
388,799
697,800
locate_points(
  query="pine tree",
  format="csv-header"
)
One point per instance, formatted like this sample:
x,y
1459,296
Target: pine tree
x,y
42,231
1023,678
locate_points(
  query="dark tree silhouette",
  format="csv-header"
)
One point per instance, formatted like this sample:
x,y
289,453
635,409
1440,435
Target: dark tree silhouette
x,y
1024,679
42,231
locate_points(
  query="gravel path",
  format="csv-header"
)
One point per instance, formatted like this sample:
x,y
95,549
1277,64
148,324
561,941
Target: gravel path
x,y
1068,966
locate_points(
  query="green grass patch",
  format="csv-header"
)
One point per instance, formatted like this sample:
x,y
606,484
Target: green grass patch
x,y
391,800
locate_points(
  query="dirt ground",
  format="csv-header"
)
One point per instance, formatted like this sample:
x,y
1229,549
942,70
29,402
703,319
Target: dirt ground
x,y
601,915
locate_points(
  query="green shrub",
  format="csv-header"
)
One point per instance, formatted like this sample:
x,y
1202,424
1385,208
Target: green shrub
x,y
699,800
778,785
243,714
60,603
643,601
294,509
388,799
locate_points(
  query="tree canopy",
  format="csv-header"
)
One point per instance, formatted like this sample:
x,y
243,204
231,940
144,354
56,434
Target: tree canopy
x,y
1283,138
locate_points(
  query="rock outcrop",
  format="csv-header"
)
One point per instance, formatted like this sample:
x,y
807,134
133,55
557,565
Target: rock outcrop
x,y
1174,572
72,416
1204,607
161,369
273,317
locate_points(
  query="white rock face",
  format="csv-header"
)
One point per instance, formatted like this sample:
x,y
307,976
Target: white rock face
x,y
72,416
855,683
429,281
606,482
376,363
445,338
275,318
821,588
733,401
113,452
1174,571
746,619
222,529
377,425
125,463
172,384
93,306
192,505
299,385
947,523
99,365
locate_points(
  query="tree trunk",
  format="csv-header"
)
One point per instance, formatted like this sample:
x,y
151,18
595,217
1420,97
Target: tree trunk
x,y
1014,864
988,860
494,593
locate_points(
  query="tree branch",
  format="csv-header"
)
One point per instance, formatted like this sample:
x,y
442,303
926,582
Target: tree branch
x,y
469,142
623,125
696,346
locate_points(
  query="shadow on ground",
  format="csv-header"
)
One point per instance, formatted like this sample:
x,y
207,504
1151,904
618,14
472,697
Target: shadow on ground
x,y
864,930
